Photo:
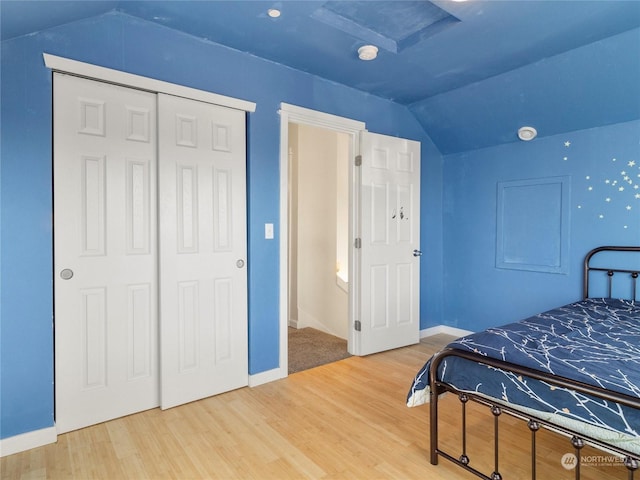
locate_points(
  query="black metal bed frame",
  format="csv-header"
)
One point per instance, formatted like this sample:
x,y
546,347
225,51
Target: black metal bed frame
x,y
578,441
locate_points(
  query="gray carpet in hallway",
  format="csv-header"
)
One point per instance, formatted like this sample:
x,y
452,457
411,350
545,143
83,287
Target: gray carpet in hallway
x,y
309,348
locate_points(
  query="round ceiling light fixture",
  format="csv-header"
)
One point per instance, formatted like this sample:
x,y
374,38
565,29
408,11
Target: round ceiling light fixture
x,y
367,52
527,133
273,12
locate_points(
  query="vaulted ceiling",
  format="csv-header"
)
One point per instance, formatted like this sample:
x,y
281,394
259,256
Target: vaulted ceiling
x,y
478,67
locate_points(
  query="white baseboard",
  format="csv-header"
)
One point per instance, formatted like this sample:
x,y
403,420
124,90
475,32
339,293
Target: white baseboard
x,y
456,332
268,376
27,441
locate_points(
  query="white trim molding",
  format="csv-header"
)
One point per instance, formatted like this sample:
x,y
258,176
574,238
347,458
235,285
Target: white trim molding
x,y
27,441
456,332
95,72
295,114
266,377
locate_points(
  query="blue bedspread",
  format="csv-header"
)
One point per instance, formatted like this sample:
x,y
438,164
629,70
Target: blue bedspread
x,y
596,341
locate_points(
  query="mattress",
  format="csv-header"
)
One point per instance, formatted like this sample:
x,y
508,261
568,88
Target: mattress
x,y
595,341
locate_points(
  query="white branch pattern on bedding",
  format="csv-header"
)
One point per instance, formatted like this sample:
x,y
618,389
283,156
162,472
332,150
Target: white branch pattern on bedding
x,y
595,341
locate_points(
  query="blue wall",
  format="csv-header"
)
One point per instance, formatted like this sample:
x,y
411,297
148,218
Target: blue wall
x,y
121,42
477,294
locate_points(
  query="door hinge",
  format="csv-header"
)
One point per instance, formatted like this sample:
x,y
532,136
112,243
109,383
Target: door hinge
x,y
357,243
358,326
358,160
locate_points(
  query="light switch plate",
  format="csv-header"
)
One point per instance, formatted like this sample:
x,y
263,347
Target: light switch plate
x,y
268,231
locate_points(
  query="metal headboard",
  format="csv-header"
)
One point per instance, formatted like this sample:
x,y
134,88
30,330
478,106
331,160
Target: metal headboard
x,y
609,271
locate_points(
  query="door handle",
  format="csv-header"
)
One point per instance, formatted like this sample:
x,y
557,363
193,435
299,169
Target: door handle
x,y
66,274
417,253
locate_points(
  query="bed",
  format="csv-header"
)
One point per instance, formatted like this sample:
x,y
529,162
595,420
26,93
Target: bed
x,y
574,369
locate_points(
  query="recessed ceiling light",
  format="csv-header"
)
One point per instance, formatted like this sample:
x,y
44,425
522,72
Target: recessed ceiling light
x,y
527,133
367,52
273,12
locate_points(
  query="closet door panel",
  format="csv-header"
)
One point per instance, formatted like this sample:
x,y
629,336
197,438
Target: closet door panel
x,y
105,255
203,279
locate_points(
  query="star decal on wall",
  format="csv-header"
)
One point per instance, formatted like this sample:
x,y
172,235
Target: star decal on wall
x,y
624,183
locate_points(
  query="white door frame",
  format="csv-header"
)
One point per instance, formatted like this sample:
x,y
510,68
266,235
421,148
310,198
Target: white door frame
x,y
353,128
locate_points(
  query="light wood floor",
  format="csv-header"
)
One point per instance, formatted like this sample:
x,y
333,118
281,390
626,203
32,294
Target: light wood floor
x,y
346,420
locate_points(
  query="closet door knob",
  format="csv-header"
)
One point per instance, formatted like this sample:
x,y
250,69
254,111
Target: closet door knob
x,y
240,263
66,274
417,253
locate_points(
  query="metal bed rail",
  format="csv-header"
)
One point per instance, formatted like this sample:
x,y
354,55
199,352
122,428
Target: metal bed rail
x,y
631,460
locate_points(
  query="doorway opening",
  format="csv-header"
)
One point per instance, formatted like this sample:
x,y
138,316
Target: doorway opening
x,y
318,254
383,238
350,130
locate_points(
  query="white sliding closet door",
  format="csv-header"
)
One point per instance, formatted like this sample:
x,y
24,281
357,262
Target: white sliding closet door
x,y
138,214
203,276
105,275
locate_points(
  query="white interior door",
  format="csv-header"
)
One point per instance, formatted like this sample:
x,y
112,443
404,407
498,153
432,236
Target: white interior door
x,y
203,276
105,253
390,232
